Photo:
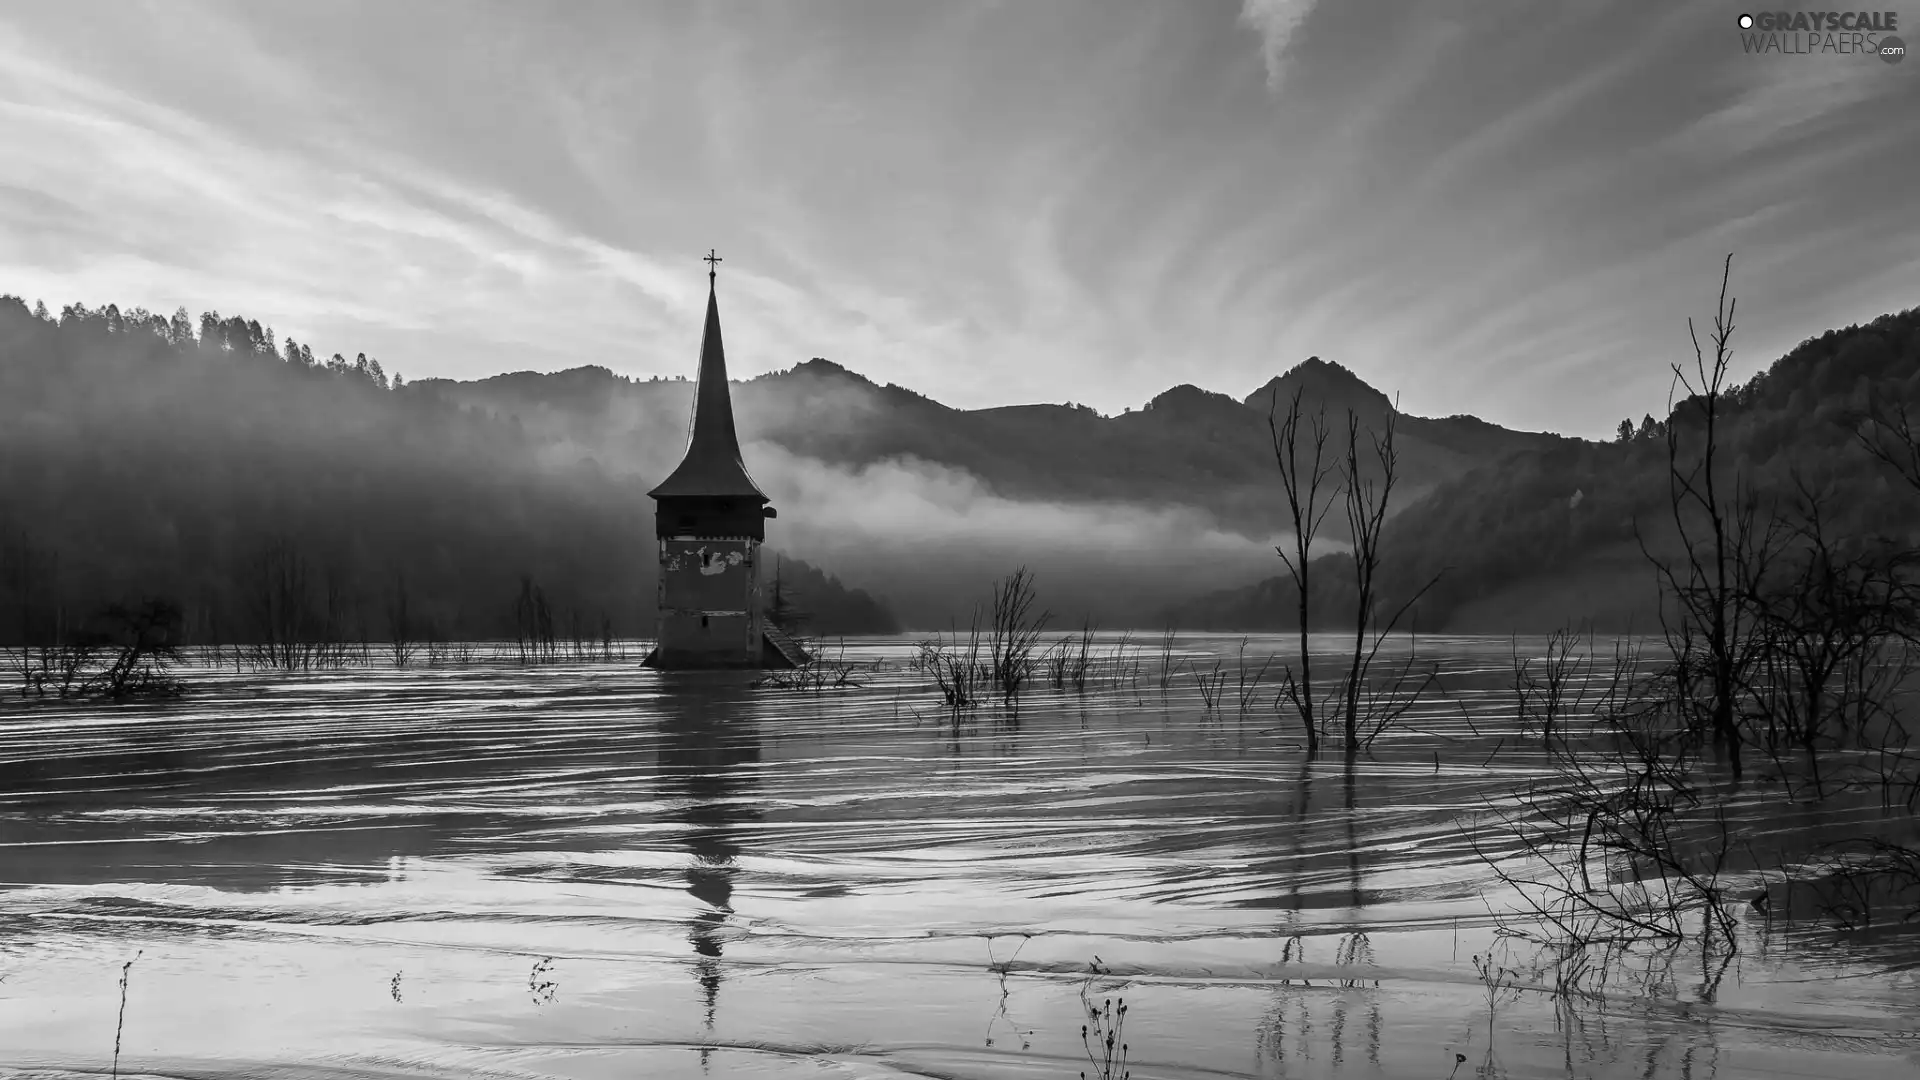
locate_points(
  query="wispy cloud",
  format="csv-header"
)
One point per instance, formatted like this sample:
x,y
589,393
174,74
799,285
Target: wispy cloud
x,y
1275,21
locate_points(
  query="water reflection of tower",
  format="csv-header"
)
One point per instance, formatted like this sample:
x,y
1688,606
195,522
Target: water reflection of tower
x,y
706,742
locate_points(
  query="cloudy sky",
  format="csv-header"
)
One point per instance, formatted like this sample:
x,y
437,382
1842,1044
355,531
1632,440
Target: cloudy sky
x,y
1499,207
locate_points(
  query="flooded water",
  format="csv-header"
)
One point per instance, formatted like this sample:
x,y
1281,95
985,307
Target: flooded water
x,y
587,870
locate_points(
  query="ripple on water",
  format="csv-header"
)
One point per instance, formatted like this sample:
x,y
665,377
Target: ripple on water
x,y
586,871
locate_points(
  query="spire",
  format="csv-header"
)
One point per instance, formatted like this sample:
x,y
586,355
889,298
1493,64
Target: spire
x,y
712,466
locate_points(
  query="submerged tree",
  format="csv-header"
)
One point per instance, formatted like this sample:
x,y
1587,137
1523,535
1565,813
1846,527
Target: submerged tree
x,y
1014,630
1305,468
145,636
533,623
1723,544
1360,476
401,632
280,604
1368,489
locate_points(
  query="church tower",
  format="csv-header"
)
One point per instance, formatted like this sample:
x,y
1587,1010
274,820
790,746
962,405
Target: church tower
x,y
709,519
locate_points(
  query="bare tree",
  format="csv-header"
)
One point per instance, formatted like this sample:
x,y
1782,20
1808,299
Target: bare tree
x,y
533,623
1826,631
30,575
1305,468
280,605
1013,632
400,628
1887,432
337,615
1719,537
782,611
1368,499
147,636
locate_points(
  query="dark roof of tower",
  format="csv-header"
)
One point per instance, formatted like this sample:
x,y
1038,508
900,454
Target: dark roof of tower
x,y
712,466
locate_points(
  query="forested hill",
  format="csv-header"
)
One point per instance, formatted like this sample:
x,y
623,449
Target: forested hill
x,y
151,455
142,455
166,454
1548,539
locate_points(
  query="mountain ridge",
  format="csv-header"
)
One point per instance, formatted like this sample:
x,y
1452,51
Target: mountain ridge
x,y
147,456
1327,382
1186,446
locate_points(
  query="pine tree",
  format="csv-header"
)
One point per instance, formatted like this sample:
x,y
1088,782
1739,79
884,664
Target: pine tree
x,y
781,611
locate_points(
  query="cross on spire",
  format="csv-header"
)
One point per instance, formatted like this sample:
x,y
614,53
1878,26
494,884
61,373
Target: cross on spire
x,y
713,263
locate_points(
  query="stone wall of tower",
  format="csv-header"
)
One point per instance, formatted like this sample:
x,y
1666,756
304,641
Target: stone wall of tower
x,y
709,600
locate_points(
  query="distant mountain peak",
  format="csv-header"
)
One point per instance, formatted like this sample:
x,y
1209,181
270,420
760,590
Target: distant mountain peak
x,y
1322,382
1188,396
821,366
818,369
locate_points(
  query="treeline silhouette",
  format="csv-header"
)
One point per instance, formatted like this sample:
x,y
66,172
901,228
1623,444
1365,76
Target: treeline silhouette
x,y
1502,531
282,500
805,600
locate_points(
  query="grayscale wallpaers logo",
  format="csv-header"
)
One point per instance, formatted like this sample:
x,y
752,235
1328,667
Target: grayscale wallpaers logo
x,y
1849,33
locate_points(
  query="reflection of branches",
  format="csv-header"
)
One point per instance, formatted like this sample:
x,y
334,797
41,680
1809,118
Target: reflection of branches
x,y
1623,797
1001,968
1658,870
538,984
1502,985
1352,954
120,1024
1000,1017
1856,883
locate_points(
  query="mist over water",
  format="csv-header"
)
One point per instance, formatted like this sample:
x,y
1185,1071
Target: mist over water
x,y
588,870
927,536
921,533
